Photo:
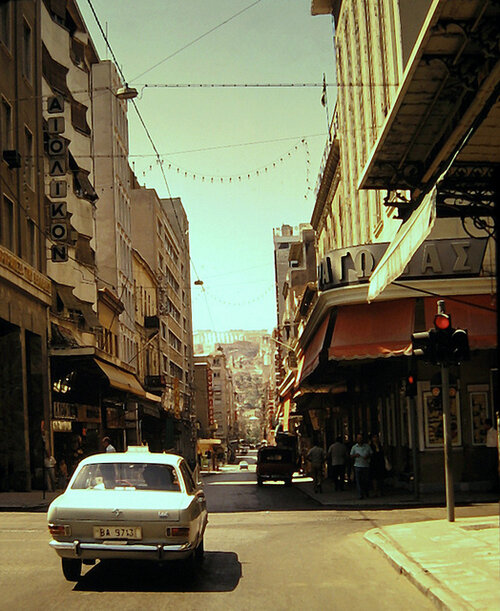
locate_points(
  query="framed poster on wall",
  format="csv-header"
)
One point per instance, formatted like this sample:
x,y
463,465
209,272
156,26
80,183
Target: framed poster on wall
x,y
433,419
479,411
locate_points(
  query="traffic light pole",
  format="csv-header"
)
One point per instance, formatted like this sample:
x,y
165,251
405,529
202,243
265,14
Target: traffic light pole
x,y
414,446
448,447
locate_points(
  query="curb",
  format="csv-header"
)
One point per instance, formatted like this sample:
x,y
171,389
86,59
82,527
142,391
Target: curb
x,y
42,507
421,578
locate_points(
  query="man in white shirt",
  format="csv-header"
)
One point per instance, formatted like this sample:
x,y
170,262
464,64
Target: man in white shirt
x,y
492,452
337,453
361,452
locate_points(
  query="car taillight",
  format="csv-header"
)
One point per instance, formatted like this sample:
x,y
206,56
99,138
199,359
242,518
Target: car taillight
x,y
59,529
177,532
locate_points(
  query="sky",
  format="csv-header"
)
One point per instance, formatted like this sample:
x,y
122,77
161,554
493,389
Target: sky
x,y
242,160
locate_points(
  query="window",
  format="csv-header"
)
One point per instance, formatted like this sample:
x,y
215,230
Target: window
x,y
174,341
29,165
175,371
27,52
5,126
188,478
5,19
8,224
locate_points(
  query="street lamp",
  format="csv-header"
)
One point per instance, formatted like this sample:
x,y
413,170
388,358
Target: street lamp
x,y
126,93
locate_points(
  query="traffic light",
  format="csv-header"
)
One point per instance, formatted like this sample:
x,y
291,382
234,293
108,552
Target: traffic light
x,y
460,346
442,345
424,345
411,385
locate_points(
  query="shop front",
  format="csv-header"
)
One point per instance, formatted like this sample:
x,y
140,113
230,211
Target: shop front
x,y
357,384
90,399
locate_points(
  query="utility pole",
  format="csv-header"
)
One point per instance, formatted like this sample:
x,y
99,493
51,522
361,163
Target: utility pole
x,y
448,446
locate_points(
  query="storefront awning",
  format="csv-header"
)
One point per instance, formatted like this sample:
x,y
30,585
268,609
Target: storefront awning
x,y
122,380
436,112
475,313
404,245
287,386
375,330
310,359
207,444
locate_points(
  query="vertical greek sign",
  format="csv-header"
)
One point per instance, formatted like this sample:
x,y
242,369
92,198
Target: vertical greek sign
x,y
58,187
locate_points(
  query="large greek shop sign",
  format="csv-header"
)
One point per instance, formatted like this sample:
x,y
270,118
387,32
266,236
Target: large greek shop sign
x,y
58,186
435,258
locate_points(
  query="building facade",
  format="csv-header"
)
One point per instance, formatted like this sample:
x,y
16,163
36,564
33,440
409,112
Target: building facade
x,y
25,291
160,234
355,347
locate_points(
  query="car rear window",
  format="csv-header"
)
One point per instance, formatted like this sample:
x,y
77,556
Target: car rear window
x,y
127,476
275,456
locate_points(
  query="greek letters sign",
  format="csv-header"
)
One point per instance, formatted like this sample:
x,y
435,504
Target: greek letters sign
x,y
55,104
59,229
435,258
59,253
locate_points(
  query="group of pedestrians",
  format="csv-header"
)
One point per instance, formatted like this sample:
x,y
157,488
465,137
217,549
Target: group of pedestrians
x,y
368,461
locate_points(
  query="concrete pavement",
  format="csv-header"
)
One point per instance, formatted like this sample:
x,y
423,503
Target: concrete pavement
x,y
393,498
456,564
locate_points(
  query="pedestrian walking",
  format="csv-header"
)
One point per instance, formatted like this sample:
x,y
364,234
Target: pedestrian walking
x,y
336,457
361,452
316,456
377,465
50,471
108,446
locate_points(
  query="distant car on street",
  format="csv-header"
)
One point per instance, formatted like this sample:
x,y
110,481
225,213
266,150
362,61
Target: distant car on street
x,y
275,463
243,464
131,505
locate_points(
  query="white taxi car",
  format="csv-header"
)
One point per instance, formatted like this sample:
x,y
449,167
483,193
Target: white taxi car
x,y
131,505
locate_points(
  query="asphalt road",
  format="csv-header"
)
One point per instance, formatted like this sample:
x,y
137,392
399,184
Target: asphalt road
x,y
267,548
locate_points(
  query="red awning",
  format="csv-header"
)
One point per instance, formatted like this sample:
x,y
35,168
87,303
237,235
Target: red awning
x,y
480,322
310,358
379,329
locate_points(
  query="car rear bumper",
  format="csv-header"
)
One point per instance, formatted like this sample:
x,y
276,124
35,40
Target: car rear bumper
x,y
133,551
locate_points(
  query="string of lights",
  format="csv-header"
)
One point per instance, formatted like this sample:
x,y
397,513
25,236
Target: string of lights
x,y
245,175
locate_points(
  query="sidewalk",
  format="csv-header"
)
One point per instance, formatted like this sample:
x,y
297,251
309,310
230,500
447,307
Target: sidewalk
x,y
456,564
27,501
394,498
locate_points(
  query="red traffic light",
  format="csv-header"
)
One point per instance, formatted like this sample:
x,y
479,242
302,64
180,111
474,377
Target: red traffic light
x,y
411,385
442,322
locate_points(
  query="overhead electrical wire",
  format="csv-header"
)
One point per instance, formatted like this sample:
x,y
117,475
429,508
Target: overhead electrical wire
x,y
150,138
194,41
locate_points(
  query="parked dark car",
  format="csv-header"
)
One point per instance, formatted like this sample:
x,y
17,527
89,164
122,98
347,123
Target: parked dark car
x,y
274,463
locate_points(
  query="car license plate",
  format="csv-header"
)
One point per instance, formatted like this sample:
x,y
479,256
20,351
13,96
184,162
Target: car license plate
x,y
117,532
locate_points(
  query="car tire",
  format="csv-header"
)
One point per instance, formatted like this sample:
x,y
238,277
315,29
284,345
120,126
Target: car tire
x,y
71,568
259,481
